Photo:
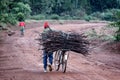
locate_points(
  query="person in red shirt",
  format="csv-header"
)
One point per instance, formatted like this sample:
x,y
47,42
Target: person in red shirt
x,y
22,27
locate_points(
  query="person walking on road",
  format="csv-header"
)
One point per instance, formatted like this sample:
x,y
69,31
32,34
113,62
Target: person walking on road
x,y
47,56
22,27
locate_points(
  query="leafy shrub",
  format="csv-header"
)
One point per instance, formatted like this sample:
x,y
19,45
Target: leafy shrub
x,y
108,14
38,17
76,17
3,17
88,18
116,13
55,16
2,25
117,24
11,19
96,14
92,34
66,17
78,13
21,7
14,12
20,17
117,34
117,37
8,18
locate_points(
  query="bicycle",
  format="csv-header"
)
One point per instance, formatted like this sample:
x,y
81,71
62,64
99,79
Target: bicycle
x,y
60,58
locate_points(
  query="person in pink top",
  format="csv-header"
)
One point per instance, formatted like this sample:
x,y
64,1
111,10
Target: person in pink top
x,y
22,27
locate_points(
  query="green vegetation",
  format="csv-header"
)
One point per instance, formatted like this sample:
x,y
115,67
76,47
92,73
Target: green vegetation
x,y
108,15
103,35
17,10
117,24
12,11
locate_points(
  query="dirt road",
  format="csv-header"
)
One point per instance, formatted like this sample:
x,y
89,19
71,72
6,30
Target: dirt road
x,y
21,60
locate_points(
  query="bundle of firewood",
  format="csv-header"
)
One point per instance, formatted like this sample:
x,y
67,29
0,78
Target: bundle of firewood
x,y
58,40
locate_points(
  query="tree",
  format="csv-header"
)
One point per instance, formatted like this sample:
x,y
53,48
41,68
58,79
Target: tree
x,y
10,9
101,5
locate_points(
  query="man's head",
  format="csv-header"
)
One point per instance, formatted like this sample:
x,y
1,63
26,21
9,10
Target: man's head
x,y
46,25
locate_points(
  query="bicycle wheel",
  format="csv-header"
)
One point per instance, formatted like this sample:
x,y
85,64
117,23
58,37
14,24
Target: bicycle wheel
x,y
64,61
57,60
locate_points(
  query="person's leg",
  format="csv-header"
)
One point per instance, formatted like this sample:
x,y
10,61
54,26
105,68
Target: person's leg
x,y
45,60
50,58
50,61
22,32
21,29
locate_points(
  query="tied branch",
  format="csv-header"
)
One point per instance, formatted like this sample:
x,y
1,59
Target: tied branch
x,y
56,40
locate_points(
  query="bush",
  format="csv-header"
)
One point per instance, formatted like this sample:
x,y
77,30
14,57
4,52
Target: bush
x,y
108,14
117,24
11,19
24,8
55,17
117,34
2,25
117,37
76,17
88,18
38,17
8,18
66,17
96,14
20,17
14,12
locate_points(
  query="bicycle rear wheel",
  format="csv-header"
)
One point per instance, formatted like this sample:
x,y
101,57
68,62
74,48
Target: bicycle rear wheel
x,y
64,65
64,61
57,58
